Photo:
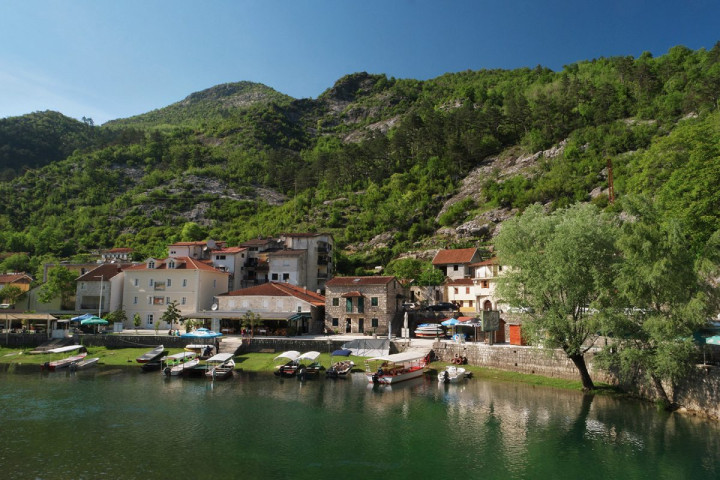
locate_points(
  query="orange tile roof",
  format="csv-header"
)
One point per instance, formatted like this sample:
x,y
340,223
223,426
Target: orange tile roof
x,y
231,250
351,281
106,270
455,256
274,289
13,277
183,263
489,261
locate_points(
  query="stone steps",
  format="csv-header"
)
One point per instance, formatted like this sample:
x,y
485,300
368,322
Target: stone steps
x,y
230,344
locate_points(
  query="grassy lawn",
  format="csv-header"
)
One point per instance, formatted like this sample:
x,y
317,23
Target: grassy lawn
x,y
264,362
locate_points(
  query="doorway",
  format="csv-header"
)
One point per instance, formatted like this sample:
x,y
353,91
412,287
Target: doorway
x,y
361,325
487,306
348,325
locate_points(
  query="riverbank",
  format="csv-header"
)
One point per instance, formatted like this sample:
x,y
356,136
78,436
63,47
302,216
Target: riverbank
x,y
259,362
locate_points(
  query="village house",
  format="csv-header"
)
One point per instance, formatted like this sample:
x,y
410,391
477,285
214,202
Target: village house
x,y
485,282
455,263
363,304
21,280
461,292
231,260
103,284
149,288
117,255
282,307
256,268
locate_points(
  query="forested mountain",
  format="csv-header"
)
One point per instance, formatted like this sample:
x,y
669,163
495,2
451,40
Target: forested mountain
x,y
387,165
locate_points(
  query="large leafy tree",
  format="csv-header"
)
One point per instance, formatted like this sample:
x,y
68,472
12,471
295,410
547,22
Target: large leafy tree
x,y
61,283
665,293
11,294
172,314
561,268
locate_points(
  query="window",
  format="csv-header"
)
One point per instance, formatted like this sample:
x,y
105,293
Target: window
x,y
335,322
150,300
214,283
183,301
169,282
167,300
159,286
286,277
149,320
374,323
135,282
82,286
151,264
274,276
455,290
171,264
484,284
151,282
361,304
219,257
373,301
184,282
455,268
471,303
348,305
335,302
135,300
467,289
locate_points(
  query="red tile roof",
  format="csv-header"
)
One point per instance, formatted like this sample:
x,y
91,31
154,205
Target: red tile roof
x,y
106,270
182,263
489,261
459,281
455,256
14,277
230,250
275,289
352,281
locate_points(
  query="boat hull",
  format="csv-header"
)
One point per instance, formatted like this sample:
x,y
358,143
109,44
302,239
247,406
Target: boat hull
x,y
391,379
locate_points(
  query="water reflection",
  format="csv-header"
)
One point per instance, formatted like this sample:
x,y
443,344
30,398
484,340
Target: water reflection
x,y
282,428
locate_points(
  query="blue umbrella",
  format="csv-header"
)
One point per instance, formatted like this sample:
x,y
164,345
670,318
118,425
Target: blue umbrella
x,y
714,340
201,334
81,317
450,322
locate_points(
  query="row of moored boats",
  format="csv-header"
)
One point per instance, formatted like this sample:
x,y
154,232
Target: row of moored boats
x,y
195,361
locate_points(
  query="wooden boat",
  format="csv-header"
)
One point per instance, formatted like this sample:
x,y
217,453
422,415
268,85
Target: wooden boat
x,y
88,362
391,369
151,366
201,350
452,374
220,366
430,330
65,362
308,365
286,363
152,355
342,368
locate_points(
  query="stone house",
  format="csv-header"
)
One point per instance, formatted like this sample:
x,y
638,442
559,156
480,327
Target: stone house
x,y
363,304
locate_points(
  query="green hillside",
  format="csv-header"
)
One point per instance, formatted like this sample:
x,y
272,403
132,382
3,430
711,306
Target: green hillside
x,y
387,165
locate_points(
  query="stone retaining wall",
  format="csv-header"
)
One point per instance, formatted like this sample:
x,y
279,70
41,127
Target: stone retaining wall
x,y
283,344
130,341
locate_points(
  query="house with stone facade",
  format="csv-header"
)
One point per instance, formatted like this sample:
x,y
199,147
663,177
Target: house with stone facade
x,y
282,307
150,286
363,304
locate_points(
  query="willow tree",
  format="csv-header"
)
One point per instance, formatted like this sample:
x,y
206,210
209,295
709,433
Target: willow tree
x,y
667,291
560,271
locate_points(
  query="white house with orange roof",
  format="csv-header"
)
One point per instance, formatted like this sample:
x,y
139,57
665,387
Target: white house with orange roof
x,y
149,288
231,260
455,263
461,292
280,306
487,273
101,289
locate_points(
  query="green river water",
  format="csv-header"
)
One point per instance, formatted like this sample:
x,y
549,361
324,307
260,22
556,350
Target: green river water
x,y
124,424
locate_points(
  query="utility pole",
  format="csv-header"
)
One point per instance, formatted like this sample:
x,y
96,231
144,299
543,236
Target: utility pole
x,y
101,296
611,187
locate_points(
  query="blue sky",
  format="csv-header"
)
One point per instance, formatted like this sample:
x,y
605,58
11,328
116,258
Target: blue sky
x,y
109,59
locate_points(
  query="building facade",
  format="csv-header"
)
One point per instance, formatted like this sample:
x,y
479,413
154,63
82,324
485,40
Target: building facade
x,y
149,288
363,304
455,263
100,289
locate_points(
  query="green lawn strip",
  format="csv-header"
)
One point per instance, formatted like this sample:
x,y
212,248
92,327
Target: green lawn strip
x,y
264,362
108,356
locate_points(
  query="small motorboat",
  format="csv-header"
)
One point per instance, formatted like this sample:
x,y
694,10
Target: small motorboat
x,y
286,363
342,368
220,366
65,362
179,362
452,374
152,355
88,362
395,368
430,330
308,365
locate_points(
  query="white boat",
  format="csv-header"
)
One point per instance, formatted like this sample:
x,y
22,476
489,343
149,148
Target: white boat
x,y
391,369
286,363
452,374
68,348
308,365
220,366
88,362
430,330
342,368
180,361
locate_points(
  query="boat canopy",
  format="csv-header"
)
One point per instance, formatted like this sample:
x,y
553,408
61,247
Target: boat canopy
x,y
220,358
181,355
312,356
400,357
343,352
290,355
